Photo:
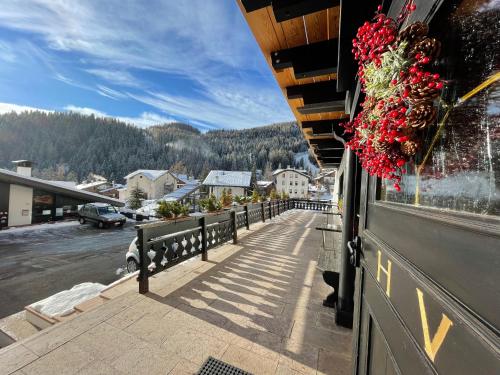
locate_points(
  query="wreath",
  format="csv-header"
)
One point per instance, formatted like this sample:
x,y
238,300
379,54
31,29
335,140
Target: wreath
x,y
399,93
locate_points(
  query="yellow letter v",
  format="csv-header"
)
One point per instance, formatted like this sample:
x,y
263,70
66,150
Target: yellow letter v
x,y
432,347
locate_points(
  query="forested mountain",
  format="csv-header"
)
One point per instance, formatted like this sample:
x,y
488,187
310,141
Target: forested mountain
x,y
70,146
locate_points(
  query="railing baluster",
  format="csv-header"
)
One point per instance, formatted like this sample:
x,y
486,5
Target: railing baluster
x,y
204,253
233,226
247,219
143,270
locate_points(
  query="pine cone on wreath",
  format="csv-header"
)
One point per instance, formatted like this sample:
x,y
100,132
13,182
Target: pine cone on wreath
x,y
414,32
429,47
422,115
409,148
383,147
421,92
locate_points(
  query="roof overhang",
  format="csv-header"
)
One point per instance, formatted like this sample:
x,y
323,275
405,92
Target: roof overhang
x,y
85,196
300,41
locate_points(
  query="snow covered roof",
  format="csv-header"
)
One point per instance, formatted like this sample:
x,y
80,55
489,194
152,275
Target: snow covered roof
x,y
181,177
264,183
91,185
70,184
228,178
299,171
151,174
183,191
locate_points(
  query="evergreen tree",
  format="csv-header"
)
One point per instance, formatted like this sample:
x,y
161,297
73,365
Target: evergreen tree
x,y
135,198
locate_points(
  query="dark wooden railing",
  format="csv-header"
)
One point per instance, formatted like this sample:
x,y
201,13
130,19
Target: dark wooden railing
x,y
164,244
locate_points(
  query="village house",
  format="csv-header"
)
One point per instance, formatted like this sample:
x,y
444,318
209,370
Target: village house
x,y
238,182
154,183
265,187
294,182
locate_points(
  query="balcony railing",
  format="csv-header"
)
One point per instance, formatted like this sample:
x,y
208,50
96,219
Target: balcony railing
x,y
164,244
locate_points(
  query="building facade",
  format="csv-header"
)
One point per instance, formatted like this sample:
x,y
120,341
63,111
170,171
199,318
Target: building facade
x,y
26,200
237,182
154,183
294,182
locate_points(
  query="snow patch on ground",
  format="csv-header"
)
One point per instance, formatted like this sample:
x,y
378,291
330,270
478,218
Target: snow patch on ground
x,y
38,227
63,303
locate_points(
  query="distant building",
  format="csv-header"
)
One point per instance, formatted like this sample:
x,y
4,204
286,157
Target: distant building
x,y
26,200
326,179
154,183
294,182
265,187
238,182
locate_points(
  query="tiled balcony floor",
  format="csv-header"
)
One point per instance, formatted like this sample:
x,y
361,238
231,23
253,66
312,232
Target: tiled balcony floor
x,y
256,305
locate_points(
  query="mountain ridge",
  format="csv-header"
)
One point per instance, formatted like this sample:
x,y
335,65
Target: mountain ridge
x,y
70,146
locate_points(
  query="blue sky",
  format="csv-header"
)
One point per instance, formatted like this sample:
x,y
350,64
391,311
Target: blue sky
x,y
145,62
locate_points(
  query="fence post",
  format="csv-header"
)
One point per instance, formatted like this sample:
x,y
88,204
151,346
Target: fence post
x,y
234,227
270,211
279,208
203,224
262,212
143,277
247,219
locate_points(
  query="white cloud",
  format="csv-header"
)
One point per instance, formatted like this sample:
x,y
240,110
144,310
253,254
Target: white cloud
x,y
85,111
144,120
206,43
122,78
9,107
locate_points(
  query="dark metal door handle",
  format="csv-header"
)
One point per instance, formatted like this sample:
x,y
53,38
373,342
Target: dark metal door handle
x,y
354,248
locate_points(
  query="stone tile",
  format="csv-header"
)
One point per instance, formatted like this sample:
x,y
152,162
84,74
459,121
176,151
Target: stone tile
x,y
106,342
146,360
154,330
339,341
193,346
67,359
14,357
249,361
125,318
331,363
285,370
99,368
185,367
299,356
52,338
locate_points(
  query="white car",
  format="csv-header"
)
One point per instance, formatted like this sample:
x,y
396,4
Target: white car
x,y
132,256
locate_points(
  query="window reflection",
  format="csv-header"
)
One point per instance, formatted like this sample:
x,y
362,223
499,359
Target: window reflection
x,y
459,165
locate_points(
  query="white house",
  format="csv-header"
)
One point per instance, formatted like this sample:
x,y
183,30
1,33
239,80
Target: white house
x,y
238,182
294,182
154,183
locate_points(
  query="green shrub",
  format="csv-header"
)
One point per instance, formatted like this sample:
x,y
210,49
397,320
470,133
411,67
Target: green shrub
x,y
210,204
170,210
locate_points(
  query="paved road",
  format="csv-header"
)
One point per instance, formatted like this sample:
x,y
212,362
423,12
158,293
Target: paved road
x,y
38,263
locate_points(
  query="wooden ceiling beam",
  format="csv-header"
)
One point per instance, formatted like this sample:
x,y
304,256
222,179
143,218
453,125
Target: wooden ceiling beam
x,y
285,10
310,60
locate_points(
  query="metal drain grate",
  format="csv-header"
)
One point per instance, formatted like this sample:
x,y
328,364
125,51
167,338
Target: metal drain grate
x,y
213,366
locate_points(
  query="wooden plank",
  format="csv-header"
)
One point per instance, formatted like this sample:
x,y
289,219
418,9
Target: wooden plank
x,y
317,26
333,22
294,31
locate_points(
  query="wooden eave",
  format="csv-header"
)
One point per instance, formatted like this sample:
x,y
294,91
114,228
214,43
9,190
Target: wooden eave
x,y
274,36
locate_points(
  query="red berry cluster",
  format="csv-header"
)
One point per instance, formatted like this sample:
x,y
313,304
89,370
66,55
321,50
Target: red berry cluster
x,y
383,132
372,40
